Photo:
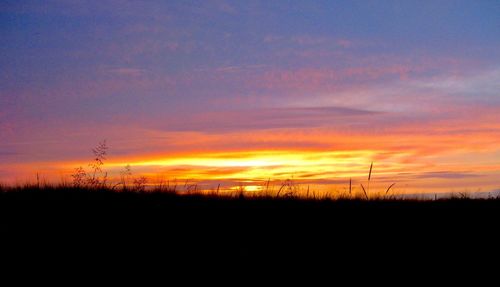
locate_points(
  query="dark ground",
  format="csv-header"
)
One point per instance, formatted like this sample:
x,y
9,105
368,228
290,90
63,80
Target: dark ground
x,y
136,229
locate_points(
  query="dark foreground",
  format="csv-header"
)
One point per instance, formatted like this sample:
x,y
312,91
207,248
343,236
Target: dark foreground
x,y
137,229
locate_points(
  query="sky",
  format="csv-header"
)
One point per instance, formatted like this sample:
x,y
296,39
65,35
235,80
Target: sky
x,y
241,92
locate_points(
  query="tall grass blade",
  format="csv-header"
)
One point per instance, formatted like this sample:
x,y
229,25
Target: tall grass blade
x,y
364,190
350,186
370,174
387,191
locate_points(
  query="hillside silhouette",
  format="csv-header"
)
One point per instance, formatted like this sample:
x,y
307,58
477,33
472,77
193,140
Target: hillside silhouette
x,y
76,223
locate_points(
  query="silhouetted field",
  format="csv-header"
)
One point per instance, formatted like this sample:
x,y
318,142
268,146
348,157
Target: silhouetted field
x,y
72,224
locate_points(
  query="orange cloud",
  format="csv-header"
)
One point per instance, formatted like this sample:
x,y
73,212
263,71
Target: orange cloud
x,y
430,155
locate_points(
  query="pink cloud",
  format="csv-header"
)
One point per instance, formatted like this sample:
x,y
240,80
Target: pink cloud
x,y
128,72
309,40
344,43
314,79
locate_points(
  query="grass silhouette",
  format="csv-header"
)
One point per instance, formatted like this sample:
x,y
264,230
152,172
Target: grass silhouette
x,y
129,219
135,227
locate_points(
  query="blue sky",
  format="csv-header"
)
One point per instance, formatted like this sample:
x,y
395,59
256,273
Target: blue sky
x,y
138,73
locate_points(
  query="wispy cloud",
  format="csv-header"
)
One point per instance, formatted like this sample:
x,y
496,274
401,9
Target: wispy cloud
x,y
129,72
266,118
447,175
185,80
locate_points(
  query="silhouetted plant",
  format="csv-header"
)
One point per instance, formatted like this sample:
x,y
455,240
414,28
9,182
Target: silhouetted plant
x,y
98,177
218,188
288,188
190,188
241,191
389,188
464,195
125,175
350,186
367,190
174,188
79,177
140,183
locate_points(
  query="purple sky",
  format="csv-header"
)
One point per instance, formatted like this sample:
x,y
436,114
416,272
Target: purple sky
x,y
181,77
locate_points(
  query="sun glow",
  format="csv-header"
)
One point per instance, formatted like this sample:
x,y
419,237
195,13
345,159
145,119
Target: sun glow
x,y
260,158
258,165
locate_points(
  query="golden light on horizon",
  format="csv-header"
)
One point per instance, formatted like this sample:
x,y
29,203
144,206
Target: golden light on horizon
x,y
183,97
251,170
415,162
322,170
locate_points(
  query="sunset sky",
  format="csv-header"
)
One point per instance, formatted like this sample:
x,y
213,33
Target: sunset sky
x,y
239,92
